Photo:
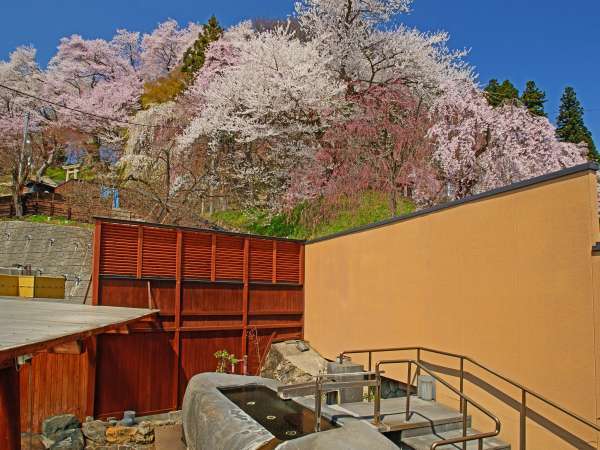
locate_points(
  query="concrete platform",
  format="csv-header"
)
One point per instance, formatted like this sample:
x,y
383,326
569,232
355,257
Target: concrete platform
x,y
426,415
424,442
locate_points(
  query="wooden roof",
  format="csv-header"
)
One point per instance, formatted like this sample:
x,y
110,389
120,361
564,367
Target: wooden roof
x,y
28,326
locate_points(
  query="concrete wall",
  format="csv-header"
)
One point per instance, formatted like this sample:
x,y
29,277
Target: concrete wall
x,y
69,254
509,279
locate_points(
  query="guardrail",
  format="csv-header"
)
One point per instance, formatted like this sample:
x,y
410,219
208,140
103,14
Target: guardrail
x,y
525,391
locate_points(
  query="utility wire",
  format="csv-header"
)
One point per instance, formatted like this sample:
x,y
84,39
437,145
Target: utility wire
x,y
98,116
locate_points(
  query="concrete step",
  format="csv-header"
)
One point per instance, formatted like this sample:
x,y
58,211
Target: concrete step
x,y
424,442
426,416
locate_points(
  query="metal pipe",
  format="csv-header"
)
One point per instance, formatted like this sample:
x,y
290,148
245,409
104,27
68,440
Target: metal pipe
x,y
490,371
462,378
523,421
377,399
463,407
481,408
370,360
408,392
317,405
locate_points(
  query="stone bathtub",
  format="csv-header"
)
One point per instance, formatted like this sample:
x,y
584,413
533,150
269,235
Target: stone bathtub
x,y
212,421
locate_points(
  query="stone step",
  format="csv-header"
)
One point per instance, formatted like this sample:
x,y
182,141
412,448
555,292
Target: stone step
x,y
424,442
425,418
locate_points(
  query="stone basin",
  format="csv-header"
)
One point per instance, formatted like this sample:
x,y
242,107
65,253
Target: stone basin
x,y
211,421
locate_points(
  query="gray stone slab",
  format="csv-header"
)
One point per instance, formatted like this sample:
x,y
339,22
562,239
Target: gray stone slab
x,y
424,413
211,421
424,442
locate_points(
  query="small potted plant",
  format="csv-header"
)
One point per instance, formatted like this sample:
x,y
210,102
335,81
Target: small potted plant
x,y
224,358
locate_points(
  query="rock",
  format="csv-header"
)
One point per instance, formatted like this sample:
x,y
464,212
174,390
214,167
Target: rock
x,y
54,425
120,435
95,431
287,363
144,433
36,442
175,417
72,441
128,419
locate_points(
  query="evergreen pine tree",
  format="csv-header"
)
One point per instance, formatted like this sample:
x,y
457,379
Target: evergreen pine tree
x,y
533,99
499,94
570,124
193,58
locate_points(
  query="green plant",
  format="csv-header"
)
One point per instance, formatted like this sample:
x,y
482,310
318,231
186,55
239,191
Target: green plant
x,y
225,358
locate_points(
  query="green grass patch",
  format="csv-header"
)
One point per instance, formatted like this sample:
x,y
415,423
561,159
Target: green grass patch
x,y
308,221
57,174
50,220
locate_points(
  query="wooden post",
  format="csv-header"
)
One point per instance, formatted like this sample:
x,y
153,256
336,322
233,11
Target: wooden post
x,y
178,307
213,258
96,263
140,253
246,295
91,350
10,412
274,273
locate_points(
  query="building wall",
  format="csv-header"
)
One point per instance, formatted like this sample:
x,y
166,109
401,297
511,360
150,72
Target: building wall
x,y
508,279
54,249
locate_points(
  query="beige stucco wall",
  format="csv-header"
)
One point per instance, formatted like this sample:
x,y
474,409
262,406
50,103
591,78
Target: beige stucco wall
x,y
509,280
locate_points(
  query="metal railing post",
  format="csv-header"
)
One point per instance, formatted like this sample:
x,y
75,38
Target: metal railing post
x,y
463,407
377,399
419,361
462,378
523,421
317,404
370,360
408,392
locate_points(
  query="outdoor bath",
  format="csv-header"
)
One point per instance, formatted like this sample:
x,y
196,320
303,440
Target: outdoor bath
x,y
226,412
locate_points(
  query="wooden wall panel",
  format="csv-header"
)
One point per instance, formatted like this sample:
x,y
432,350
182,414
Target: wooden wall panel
x,y
261,260
57,385
215,291
197,252
198,350
158,252
133,373
264,299
229,258
118,249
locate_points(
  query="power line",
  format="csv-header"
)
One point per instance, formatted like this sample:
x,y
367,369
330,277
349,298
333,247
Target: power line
x,y
98,116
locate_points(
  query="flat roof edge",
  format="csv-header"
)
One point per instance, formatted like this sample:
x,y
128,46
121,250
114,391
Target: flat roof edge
x,y
586,167
106,219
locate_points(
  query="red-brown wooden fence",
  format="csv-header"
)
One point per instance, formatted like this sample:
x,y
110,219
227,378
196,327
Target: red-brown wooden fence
x,y
214,291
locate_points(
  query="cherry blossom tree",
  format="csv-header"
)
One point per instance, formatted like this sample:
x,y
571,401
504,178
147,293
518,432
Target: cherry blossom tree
x,y
261,99
96,77
162,184
20,153
383,147
361,43
479,147
163,49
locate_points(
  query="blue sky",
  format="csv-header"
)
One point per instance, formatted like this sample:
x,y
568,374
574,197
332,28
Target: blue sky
x,y
553,42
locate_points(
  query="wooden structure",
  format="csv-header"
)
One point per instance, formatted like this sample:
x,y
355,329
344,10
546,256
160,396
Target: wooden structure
x,y
28,327
214,290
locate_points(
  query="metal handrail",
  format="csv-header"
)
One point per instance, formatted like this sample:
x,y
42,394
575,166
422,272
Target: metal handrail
x,y
525,391
464,401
